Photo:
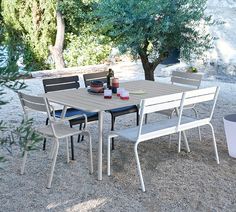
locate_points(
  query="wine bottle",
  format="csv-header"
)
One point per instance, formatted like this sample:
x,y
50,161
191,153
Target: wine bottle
x,y
109,76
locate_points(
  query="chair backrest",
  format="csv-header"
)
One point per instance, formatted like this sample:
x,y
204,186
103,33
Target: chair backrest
x,y
102,76
185,78
34,103
178,101
38,104
156,104
62,83
200,96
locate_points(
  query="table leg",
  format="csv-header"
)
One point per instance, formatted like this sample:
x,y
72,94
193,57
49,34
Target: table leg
x,y
100,132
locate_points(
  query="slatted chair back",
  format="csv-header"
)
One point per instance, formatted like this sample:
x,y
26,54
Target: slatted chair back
x,y
32,103
157,104
185,78
102,76
178,101
200,96
62,83
38,104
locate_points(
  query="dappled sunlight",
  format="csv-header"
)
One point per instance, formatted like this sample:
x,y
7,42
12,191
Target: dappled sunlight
x,y
226,50
133,71
87,205
72,205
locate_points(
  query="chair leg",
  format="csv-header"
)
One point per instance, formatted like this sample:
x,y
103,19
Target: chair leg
x,y
79,136
113,119
72,146
24,162
186,141
139,167
82,136
67,151
146,118
90,152
52,150
53,163
109,156
44,140
199,129
137,118
214,143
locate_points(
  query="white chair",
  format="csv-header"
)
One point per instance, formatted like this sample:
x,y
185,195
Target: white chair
x,y
191,80
178,124
57,129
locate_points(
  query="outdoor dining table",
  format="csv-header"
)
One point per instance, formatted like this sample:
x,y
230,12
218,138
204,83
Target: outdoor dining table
x,y
82,99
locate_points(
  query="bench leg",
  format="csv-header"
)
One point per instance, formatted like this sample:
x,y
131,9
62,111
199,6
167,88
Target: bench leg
x,y
139,167
179,144
214,143
199,130
186,141
109,156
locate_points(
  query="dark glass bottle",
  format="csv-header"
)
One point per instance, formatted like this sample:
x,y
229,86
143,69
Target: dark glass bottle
x,y
109,76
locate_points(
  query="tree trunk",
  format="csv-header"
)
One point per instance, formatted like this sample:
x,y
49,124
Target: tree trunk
x,y
148,67
57,49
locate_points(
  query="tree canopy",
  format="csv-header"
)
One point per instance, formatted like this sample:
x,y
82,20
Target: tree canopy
x,y
30,29
151,29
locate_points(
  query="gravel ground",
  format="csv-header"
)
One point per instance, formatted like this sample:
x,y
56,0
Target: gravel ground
x,y
174,182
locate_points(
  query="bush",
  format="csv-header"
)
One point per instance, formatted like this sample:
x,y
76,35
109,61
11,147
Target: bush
x,y
85,49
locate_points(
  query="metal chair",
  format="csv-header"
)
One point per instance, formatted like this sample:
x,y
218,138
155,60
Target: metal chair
x,y
178,124
56,129
63,83
114,112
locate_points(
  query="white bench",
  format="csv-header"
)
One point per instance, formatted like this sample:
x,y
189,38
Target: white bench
x,y
178,124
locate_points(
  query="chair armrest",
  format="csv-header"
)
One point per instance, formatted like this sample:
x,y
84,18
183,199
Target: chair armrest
x,y
70,118
63,118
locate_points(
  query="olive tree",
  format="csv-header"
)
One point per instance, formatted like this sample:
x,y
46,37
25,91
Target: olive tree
x,y
151,29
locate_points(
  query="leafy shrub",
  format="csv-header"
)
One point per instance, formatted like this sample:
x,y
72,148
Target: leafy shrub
x,y
85,49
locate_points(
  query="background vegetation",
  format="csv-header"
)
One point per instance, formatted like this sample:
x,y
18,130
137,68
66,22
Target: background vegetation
x,y
81,32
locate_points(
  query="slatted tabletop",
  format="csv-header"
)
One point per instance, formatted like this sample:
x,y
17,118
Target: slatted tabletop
x,y
82,99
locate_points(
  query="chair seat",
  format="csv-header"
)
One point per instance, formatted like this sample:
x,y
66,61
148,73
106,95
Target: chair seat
x,y
123,110
154,130
61,130
91,116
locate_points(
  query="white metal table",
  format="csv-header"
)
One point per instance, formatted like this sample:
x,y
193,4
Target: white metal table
x,y
81,99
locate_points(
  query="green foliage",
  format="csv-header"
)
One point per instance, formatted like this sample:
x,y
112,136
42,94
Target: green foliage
x,y
153,28
76,13
9,78
192,69
82,46
29,28
24,136
85,49
27,138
